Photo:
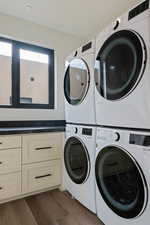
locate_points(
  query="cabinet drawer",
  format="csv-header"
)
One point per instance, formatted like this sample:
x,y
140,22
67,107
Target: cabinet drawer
x,y
10,160
41,175
10,141
41,147
10,185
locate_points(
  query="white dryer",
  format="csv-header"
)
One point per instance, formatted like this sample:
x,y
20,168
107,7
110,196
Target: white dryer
x,y
122,71
79,164
79,85
122,171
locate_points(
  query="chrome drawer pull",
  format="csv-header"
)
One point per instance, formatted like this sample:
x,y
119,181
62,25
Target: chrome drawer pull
x,y
43,148
47,175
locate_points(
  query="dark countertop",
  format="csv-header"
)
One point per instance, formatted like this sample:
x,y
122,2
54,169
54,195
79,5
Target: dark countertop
x,y
25,127
26,130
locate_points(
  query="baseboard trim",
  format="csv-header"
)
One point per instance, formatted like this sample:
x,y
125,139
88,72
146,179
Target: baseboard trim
x,y
28,194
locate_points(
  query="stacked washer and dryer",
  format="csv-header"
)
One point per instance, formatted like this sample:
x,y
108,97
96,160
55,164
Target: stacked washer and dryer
x,y
114,96
80,144
122,101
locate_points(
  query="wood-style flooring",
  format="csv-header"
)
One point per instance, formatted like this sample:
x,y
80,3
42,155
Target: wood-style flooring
x,y
50,208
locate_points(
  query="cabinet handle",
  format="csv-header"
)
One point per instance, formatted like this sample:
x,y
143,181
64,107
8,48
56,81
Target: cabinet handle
x,y
47,175
43,148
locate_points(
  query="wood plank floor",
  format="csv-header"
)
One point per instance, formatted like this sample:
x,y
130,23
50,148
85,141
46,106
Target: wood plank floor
x,y
50,208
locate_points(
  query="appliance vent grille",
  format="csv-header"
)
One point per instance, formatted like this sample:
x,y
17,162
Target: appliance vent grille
x,y
139,9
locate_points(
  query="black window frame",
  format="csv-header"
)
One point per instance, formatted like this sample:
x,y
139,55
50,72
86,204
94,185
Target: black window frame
x,y
15,85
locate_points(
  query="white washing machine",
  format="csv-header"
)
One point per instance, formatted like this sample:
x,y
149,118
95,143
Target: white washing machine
x,y
79,85
79,164
122,71
122,171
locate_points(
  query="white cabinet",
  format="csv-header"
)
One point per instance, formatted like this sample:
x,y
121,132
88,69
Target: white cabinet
x,y
10,185
41,175
10,166
10,141
41,147
10,160
29,163
41,161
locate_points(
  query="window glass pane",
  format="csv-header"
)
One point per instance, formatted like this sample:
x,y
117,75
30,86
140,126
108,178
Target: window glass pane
x,y
5,73
34,77
33,56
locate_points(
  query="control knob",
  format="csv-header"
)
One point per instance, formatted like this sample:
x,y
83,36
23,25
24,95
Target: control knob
x,y
116,24
116,136
76,130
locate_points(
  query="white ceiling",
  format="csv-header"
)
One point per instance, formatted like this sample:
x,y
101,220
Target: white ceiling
x,y
82,18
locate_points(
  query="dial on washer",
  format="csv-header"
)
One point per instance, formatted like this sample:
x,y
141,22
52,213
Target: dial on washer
x,y
76,130
116,136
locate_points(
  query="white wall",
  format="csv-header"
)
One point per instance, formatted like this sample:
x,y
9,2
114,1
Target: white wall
x,y
63,44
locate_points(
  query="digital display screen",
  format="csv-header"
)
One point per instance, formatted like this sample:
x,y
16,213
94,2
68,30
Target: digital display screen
x,y
87,47
142,140
139,9
87,131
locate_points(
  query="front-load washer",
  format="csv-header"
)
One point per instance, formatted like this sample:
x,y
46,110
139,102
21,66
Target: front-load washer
x,y
122,170
79,164
79,85
122,71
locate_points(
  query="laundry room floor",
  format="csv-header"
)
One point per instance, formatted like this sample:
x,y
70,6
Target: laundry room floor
x,y
50,208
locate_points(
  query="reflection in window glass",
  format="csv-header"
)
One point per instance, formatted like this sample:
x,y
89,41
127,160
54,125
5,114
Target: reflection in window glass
x,y
119,65
5,73
76,160
34,77
76,81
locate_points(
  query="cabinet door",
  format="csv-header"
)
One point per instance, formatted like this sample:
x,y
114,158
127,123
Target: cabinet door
x,y
41,147
41,175
10,141
10,161
10,185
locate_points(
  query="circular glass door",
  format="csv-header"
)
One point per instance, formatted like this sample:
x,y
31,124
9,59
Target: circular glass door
x,y
76,160
121,182
119,65
76,82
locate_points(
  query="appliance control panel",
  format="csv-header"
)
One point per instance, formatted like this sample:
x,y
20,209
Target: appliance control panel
x,y
108,135
138,139
87,131
103,135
